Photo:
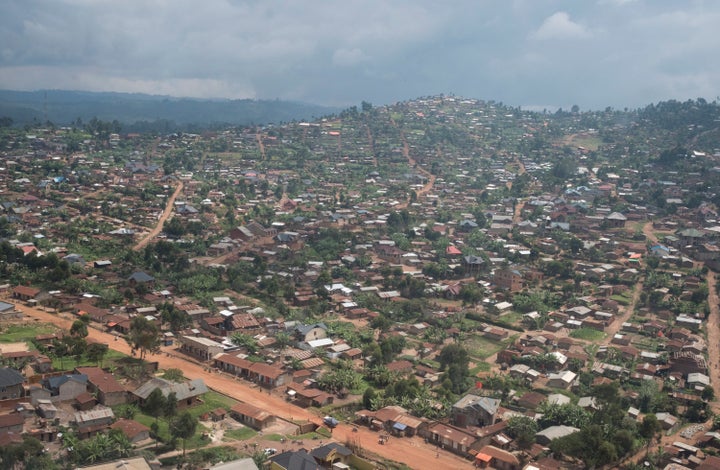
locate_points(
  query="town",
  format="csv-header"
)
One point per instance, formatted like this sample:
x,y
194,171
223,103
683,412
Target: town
x,y
438,283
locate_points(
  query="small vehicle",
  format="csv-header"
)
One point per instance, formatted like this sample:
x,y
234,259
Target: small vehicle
x,y
330,421
270,451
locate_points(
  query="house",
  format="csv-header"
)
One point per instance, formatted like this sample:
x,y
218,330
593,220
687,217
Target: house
x,y
139,277
306,397
508,279
268,375
93,421
134,431
201,348
239,464
547,435
449,437
310,332
494,457
11,384
293,460
561,380
8,311
187,393
106,388
472,410
66,387
531,400
25,293
331,453
128,463
85,401
252,416
615,220
12,422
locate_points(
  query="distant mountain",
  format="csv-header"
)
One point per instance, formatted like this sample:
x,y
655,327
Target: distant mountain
x,y
64,107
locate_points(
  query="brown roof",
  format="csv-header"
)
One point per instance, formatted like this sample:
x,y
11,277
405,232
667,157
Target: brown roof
x,y
711,462
253,412
26,290
9,438
12,419
402,365
104,381
235,361
244,320
266,370
499,454
453,434
129,427
85,397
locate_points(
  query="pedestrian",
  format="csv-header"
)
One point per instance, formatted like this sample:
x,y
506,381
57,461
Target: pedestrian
x,y
437,455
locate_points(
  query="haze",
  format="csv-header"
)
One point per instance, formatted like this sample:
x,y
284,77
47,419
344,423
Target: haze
x,y
533,53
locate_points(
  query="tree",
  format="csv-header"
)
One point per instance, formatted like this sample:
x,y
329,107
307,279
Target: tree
x,y
183,427
79,329
154,404
143,336
523,430
454,358
470,294
174,375
649,428
170,407
244,341
96,352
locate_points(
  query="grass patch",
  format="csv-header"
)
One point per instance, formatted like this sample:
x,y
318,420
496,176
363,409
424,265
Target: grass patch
x,y
274,437
68,363
480,367
512,317
24,332
588,334
239,434
211,401
194,442
621,299
482,348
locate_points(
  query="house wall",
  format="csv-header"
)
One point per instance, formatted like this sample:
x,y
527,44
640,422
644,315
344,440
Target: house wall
x,y
69,390
13,391
112,399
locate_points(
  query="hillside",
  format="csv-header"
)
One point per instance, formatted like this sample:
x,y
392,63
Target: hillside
x,y
64,107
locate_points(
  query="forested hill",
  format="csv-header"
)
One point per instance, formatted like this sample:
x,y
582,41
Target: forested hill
x,y
65,107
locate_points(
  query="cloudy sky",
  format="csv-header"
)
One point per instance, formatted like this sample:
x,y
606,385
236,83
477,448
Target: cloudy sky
x,y
531,53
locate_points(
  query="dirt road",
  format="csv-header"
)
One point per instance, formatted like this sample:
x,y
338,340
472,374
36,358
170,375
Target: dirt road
x,y
713,338
413,452
615,326
166,213
427,187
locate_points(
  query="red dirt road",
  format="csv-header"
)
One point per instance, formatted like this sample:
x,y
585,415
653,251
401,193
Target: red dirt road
x,y
413,452
166,213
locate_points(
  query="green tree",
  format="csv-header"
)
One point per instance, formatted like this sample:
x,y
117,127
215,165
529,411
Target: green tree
x,y
170,407
245,341
174,375
183,427
96,352
154,404
523,430
143,336
79,329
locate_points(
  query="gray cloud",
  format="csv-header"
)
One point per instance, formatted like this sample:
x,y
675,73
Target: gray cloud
x,y
608,53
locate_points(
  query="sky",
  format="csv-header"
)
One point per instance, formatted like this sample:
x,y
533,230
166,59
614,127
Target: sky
x,y
537,54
